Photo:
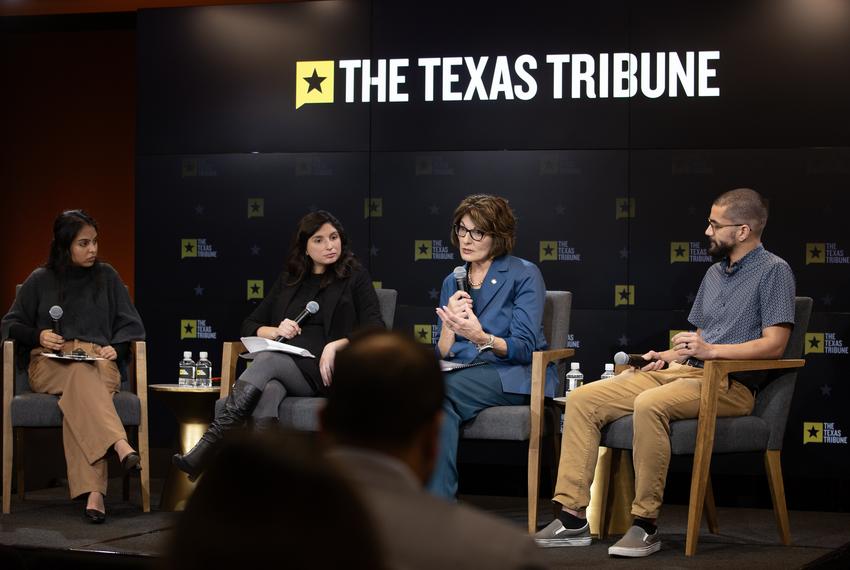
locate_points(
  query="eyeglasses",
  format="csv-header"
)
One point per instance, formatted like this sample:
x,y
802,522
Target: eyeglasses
x,y
476,235
715,226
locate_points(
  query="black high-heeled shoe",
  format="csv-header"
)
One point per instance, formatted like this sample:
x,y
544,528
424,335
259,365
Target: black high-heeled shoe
x,y
95,516
131,462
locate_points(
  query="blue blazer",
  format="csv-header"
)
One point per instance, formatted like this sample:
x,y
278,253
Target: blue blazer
x,y
510,306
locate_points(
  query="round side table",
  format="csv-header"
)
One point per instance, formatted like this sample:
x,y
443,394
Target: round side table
x,y
194,408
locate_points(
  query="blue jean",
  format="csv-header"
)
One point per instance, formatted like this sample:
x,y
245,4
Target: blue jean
x,y
468,391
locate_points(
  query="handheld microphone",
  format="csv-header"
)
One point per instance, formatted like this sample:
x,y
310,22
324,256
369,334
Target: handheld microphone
x,y
636,361
311,309
56,313
460,277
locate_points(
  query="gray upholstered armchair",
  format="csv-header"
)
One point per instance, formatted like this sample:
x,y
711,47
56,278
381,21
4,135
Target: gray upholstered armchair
x,y
23,409
295,413
762,431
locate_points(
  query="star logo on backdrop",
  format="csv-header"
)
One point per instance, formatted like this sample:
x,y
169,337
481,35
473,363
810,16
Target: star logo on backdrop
x,y
255,250
560,210
679,252
691,298
826,390
434,294
373,251
422,333
815,253
187,328
434,209
199,290
199,209
624,253
625,208
623,340
256,207
812,432
255,289
422,249
624,295
548,251
826,300
814,343
314,81
189,248
373,207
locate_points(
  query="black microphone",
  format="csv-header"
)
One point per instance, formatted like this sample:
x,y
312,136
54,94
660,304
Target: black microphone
x,y
56,313
636,361
311,309
460,277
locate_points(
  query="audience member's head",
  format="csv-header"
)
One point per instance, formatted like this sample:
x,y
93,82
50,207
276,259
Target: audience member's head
x,y
387,395
273,501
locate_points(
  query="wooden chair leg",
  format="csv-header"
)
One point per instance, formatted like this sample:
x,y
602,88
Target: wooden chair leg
x,y
8,455
597,510
773,467
19,452
710,509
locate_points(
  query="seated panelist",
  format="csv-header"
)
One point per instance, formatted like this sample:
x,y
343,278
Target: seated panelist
x,y
495,318
322,268
97,319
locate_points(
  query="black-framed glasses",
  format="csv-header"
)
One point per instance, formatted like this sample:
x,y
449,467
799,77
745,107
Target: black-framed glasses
x,y
715,226
476,235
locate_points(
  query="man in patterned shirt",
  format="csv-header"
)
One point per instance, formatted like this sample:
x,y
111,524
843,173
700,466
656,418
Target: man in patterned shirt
x,y
744,310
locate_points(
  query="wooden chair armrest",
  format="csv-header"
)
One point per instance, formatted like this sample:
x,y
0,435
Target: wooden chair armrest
x,y
8,372
540,359
229,357
139,349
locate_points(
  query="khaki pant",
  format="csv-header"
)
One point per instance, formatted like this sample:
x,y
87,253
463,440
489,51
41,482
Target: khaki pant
x,y
90,425
655,398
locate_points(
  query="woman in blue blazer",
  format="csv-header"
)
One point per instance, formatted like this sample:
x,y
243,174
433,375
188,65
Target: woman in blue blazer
x,y
497,323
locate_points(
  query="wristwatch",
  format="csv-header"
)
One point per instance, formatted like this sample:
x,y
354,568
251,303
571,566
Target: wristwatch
x,y
487,345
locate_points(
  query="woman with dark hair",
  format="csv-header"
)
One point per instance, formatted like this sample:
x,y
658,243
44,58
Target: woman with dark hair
x,y
495,323
320,267
98,320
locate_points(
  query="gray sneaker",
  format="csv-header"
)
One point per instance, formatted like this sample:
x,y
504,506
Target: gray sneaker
x,y
636,543
556,534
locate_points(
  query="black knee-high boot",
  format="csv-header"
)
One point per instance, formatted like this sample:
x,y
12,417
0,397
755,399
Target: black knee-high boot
x,y
240,403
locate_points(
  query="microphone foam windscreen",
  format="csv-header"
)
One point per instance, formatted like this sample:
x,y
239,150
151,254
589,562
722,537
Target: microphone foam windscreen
x,y
460,272
621,358
312,307
56,312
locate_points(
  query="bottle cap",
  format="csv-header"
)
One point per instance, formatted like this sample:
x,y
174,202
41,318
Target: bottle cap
x,y
187,354
574,365
204,355
607,366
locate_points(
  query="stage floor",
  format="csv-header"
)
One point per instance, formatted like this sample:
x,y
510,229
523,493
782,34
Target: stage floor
x,y
47,520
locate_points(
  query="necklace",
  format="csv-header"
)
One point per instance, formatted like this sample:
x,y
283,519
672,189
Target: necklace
x,y
474,284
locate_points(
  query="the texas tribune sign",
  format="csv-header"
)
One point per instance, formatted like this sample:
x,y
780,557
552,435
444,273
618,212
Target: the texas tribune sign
x,y
500,78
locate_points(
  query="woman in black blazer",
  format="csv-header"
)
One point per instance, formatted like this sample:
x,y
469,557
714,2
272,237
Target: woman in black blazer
x,y
321,268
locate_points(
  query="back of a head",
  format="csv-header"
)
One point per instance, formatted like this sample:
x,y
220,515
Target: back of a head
x,y
272,498
746,206
386,388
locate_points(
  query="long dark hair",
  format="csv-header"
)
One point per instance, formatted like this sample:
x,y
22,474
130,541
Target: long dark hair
x,y
299,265
65,228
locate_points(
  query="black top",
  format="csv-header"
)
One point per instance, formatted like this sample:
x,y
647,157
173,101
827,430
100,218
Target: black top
x,y
95,303
345,305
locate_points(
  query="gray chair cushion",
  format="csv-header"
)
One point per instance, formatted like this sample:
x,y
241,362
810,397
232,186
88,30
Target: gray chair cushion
x,y
511,423
42,410
732,435
300,414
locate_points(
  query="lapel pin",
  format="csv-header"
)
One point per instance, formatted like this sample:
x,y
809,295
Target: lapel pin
x,y
493,281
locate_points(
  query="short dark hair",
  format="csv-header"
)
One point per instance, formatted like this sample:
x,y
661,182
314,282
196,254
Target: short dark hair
x,y
299,265
745,205
491,214
386,388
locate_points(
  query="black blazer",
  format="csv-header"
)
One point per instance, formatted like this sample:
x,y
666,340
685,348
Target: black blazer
x,y
348,305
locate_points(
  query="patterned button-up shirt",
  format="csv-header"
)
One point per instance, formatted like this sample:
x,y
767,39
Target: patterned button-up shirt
x,y
735,303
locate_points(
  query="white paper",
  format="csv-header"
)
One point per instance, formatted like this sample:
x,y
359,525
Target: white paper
x,y
260,344
72,357
448,365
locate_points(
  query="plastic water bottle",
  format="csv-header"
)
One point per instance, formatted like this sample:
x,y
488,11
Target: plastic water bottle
x,y
203,372
574,378
609,372
187,370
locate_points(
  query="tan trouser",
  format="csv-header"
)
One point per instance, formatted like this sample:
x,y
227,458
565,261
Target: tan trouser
x,y
90,425
654,398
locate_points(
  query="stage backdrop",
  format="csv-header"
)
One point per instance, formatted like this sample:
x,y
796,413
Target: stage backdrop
x,y
610,126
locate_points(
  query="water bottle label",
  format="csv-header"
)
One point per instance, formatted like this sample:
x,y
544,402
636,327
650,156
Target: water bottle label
x,y
186,374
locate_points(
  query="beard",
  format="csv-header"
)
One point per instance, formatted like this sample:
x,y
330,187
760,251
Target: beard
x,y
718,250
